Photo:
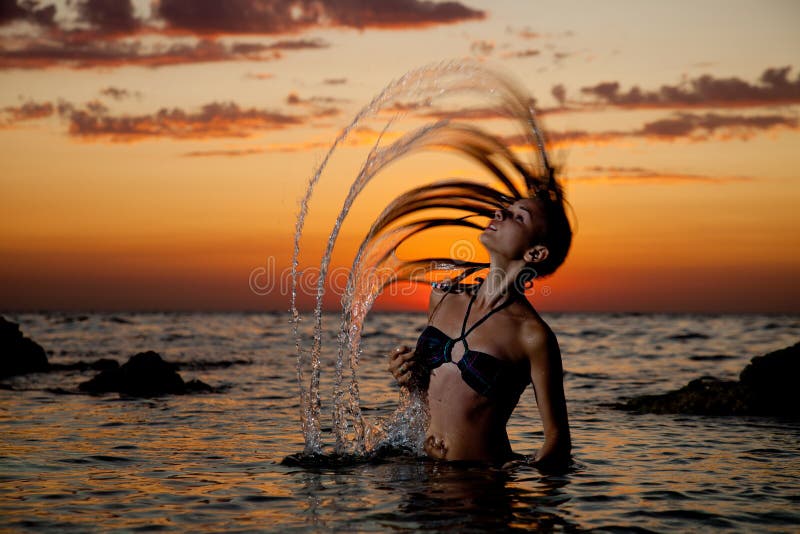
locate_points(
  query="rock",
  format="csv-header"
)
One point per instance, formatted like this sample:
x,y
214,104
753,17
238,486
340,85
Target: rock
x,y
198,386
100,364
18,354
772,381
145,374
765,387
203,365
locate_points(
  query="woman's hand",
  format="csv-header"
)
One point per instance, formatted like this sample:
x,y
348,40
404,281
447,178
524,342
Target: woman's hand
x,y
402,365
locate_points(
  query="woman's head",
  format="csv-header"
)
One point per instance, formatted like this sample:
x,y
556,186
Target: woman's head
x,y
534,229
556,234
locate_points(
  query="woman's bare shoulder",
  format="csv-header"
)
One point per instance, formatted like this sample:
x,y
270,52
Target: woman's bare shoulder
x,y
536,338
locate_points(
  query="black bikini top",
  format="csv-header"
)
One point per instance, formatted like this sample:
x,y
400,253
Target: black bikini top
x,y
486,374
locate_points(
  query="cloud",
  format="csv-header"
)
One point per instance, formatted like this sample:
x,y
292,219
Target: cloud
x,y
559,93
470,114
700,128
109,15
319,106
334,81
688,127
741,126
560,56
213,120
117,93
293,99
84,55
530,52
12,11
642,174
260,75
224,153
279,16
83,34
481,47
773,87
30,110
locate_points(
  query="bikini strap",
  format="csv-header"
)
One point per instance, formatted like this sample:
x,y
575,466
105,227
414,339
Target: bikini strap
x,y
464,332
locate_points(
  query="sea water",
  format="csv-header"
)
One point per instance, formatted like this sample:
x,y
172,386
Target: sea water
x,y
213,462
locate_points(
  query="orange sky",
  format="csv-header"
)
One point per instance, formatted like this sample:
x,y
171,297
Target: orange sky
x,y
153,154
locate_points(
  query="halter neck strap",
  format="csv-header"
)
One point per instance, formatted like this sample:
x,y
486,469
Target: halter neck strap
x,y
464,331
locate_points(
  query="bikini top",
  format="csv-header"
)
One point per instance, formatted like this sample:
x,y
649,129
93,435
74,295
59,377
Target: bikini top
x,y
486,374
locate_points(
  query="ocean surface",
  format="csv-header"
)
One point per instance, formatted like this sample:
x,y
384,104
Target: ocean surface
x,y
212,461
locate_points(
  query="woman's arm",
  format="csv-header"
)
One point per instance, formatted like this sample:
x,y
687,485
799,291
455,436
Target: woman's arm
x,y
547,376
402,360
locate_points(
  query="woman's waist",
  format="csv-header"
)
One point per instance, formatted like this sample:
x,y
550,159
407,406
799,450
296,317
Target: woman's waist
x,y
447,443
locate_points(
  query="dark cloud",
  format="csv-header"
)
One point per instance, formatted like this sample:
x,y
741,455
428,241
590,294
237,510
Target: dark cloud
x,y
212,120
686,124
319,106
108,33
30,110
109,15
121,53
680,127
96,107
298,44
559,93
26,10
279,16
774,87
119,94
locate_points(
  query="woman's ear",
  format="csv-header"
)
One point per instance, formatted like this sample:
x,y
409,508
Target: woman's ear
x,y
536,254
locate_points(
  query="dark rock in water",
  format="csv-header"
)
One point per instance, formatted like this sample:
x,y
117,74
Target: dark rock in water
x,y
145,374
18,354
203,365
706,395
772,381
198,386
767,386
101,364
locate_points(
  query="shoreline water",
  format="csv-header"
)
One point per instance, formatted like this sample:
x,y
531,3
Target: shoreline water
x,y
212,461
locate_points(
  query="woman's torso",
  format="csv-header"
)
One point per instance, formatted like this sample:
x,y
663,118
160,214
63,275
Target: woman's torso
x,y
471,398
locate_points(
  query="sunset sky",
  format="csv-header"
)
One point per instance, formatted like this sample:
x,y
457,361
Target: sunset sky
x,y
153,153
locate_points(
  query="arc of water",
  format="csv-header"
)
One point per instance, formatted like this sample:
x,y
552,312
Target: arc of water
x,y
415,83
468,140
411,83
475,198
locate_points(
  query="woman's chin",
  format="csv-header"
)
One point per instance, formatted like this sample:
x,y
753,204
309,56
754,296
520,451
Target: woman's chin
x,y
486,240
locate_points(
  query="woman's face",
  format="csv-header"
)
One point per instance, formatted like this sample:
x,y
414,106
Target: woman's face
x,y
513,230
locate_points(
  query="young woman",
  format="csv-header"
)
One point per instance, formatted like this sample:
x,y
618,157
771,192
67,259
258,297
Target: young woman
x,y
485,342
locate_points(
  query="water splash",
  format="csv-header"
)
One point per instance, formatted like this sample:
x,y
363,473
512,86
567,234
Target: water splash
x,y
376,264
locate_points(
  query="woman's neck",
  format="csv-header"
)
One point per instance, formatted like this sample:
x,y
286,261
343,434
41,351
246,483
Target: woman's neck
x,y
500,284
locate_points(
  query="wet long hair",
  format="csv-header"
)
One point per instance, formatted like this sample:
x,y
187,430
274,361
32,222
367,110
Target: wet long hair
x,y
539,182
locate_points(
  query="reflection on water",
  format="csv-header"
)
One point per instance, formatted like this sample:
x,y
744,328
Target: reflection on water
x,y
420,494
212,461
